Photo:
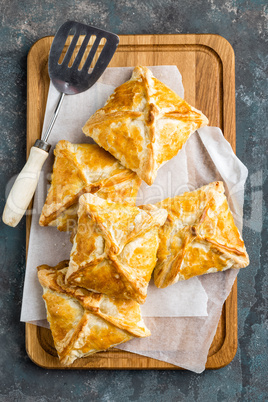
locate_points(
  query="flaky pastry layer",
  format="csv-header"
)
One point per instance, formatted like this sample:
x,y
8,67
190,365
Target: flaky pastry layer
x,y
83,322
114,249
198,237
84,168
144,124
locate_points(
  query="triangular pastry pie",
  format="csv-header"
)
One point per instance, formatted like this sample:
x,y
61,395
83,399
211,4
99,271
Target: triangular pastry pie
x,y
198,237
84,322
144,124
81,168
114,249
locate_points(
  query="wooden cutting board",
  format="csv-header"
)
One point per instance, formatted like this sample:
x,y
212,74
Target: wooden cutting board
x,y
207,65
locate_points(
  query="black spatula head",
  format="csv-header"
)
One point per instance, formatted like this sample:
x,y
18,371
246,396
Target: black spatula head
x,y
75,78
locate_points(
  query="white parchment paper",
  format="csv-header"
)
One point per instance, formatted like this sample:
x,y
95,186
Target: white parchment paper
x,y
49,246
183,320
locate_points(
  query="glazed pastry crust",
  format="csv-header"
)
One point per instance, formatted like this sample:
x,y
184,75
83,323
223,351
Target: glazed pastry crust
x,y
198,237
114,250
83,322
144,124
82,168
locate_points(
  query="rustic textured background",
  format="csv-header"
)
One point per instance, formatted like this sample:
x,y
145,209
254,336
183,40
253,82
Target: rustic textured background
x,y
244,24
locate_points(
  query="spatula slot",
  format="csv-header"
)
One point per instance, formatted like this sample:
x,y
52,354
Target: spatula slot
x,y
92,54
87,47
97,54
68,41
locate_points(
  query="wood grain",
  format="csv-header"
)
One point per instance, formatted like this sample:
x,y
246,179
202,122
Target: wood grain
x,y
207,65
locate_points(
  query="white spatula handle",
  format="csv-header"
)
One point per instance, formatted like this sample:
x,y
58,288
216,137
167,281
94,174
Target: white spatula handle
x,y
24,187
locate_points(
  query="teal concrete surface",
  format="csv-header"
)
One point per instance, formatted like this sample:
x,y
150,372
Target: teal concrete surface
x,y
244,24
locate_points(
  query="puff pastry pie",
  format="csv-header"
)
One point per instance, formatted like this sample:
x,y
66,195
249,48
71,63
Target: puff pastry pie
x,y
81,168
144,124
84,322
198,237
114,250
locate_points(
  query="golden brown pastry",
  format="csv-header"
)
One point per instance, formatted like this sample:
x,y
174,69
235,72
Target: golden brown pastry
x,y
81,168
114,250
198,237
84,322
144,124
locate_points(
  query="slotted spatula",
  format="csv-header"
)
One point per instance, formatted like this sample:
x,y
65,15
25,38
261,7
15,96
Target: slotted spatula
x,y
68,79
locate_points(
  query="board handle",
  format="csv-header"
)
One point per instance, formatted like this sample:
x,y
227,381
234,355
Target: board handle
x,y
24,187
